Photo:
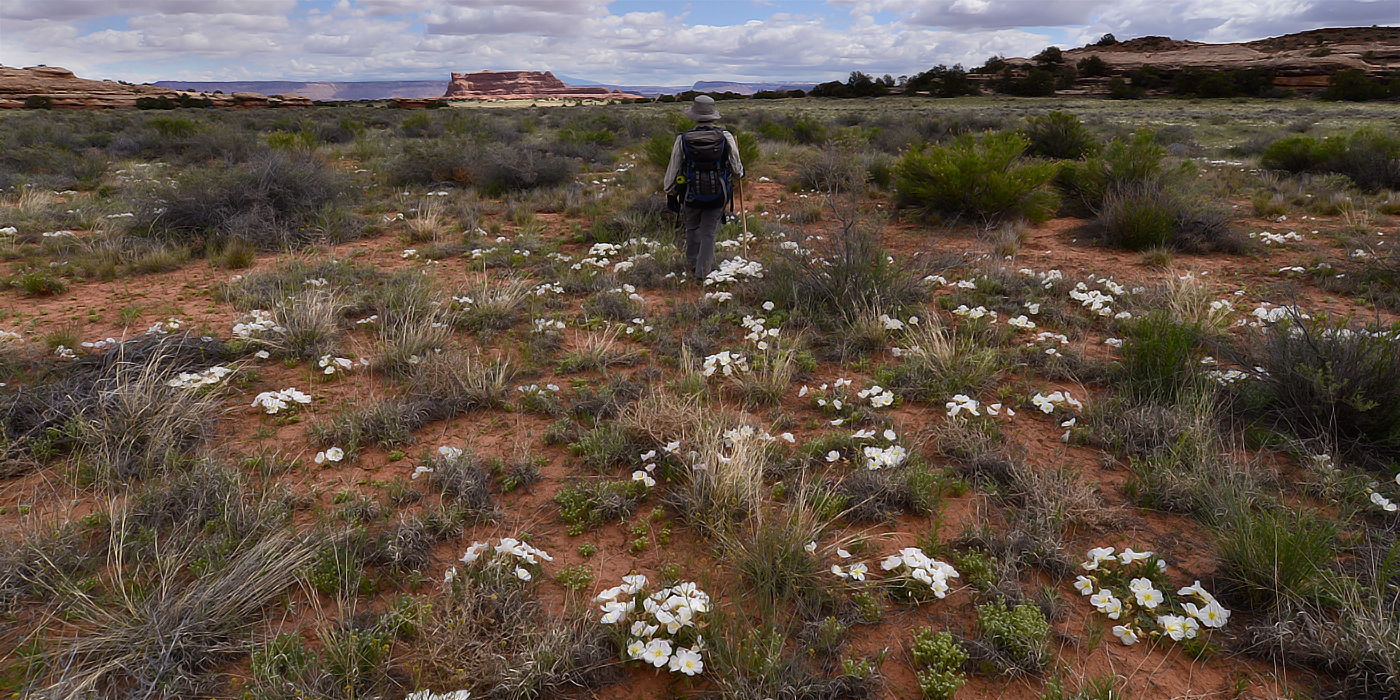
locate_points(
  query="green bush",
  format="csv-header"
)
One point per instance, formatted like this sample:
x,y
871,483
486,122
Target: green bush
x,y
1021,633
1295,154
586,505
38,283
1124,163
1355,86
1059,135
273,201
1159,357
1277,556
852,272
989,180
1369,156
938,661
1138,218
1325,381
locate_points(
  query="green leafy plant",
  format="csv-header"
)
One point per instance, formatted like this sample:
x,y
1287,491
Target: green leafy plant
x,y
1021,633
988,180
938,661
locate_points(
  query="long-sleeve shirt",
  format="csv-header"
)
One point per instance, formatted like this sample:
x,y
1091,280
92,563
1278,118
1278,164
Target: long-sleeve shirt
x,y
736,166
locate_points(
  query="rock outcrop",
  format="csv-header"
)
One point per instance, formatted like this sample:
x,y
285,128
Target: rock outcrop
x,y
522,85
58,88
1301,62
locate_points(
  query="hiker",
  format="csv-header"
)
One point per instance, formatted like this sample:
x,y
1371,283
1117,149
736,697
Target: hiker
x,y
704,166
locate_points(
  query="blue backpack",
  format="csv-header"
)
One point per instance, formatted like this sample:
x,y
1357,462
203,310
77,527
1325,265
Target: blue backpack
x,y
707,179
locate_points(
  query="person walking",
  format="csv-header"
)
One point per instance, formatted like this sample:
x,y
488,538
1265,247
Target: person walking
x,y
704,167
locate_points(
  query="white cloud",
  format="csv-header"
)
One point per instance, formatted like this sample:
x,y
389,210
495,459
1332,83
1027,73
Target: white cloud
x,y
397,39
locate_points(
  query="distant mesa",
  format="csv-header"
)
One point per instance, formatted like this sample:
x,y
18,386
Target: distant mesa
x,y
522,85
54,87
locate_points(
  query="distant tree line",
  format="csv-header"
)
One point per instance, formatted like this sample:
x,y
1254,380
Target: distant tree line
x,y
1049,72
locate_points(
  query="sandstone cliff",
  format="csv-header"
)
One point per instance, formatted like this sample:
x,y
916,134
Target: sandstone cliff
x,y
522,85
58,88
1302,62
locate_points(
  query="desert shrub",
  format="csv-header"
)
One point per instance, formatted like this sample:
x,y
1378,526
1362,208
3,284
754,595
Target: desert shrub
x,y
843,276
834,169
1369,156
181,628
1294,154
40,283
716,498
460,476
503,169
310,323
938,661
1353,85
938,364
1159,357
768,552
1105,687
1322,380
273,201
881,495
1156,214
450,383
1277,555
586,505
1021,634
493,168
385,424
1125,162
1059,135
987,180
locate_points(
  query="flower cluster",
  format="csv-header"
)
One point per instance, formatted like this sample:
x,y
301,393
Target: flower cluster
x,y
256,322
548,325
1131,574
894,324
669,619
334,454
882,457
330,365
1021,322
1277,238
879,396
430,695
757,333
511,556
276,401
1095,300
964,403
10,337
726,363
1267,314
1379,500
975,313
911,571
1057,399
169,325
195,380
733,269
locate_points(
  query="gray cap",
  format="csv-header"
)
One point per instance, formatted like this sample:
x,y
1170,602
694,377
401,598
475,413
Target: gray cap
x,y
702,109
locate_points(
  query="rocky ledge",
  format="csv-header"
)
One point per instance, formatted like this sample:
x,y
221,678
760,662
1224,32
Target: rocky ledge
x,y
54,87
522,85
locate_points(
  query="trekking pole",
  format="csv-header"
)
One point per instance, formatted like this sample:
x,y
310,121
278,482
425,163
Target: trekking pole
x,y
744,217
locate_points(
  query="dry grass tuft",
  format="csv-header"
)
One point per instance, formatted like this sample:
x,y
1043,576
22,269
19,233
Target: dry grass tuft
x,y
164,643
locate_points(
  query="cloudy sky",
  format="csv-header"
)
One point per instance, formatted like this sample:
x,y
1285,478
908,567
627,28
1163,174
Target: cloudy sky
x,y
632,42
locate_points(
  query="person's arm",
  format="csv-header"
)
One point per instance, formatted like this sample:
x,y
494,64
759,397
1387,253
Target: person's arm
x,y
736,165
674,169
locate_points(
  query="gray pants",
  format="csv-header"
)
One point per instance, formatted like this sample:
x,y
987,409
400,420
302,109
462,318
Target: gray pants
x,y
701,228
